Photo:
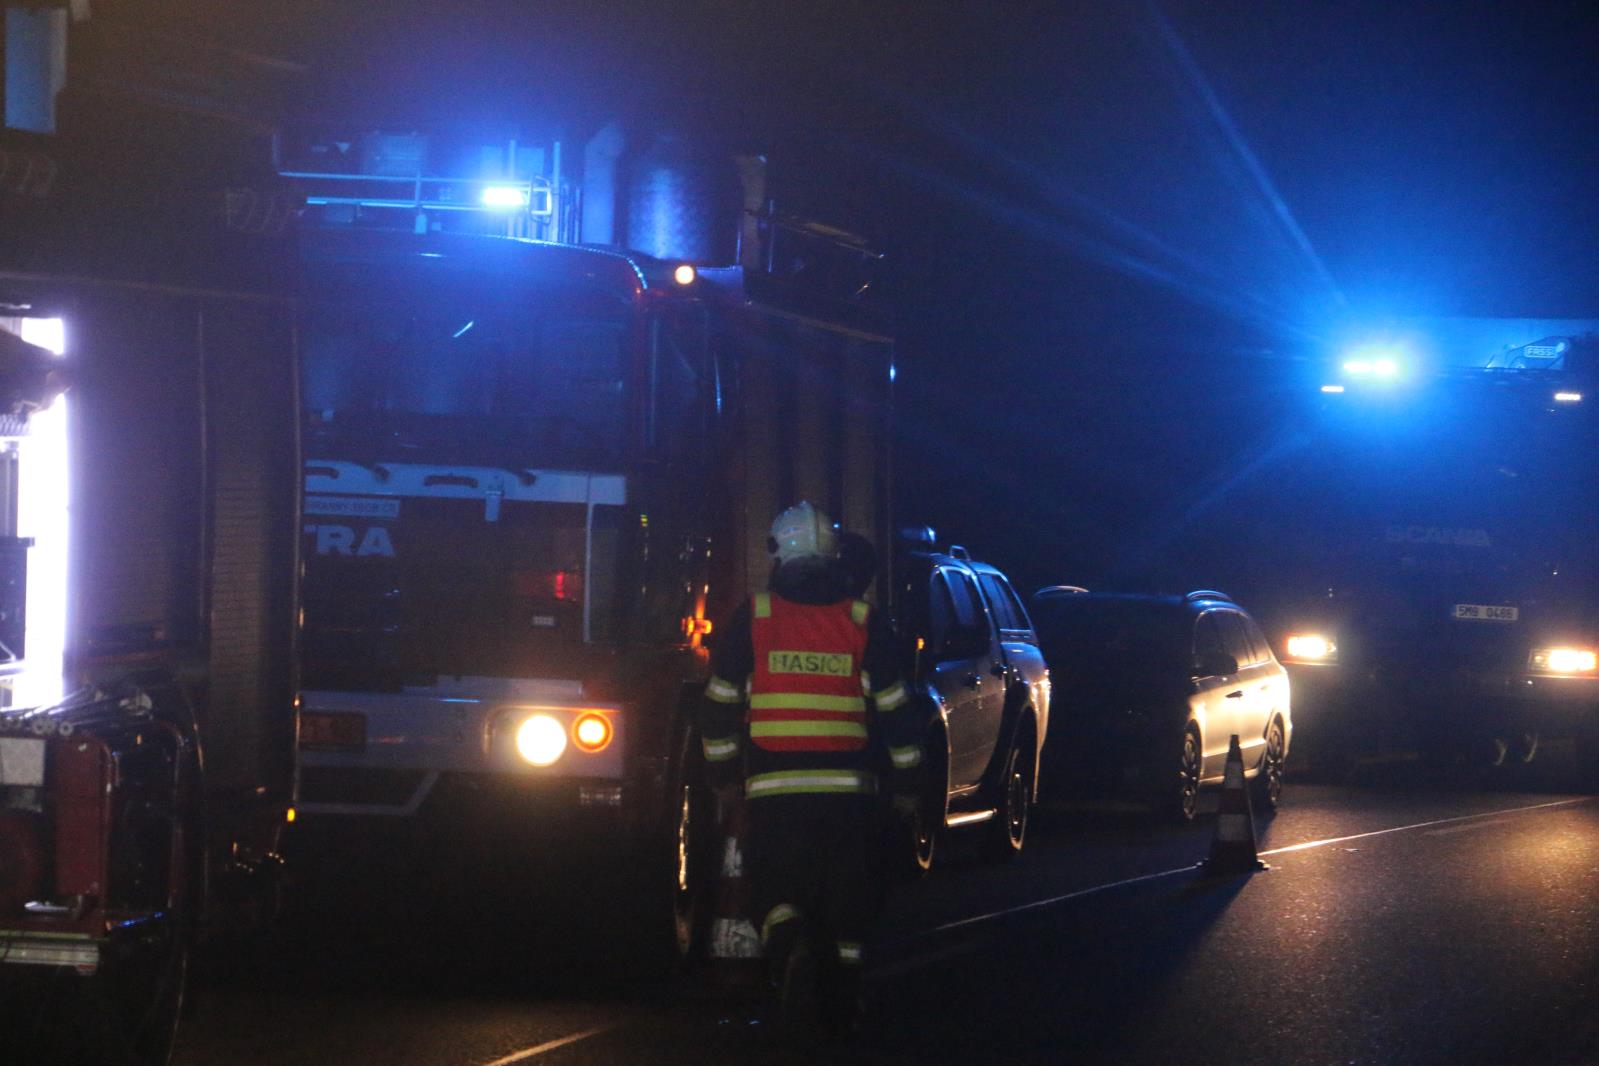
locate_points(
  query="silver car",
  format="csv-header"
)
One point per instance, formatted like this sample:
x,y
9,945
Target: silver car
x,y
1154,687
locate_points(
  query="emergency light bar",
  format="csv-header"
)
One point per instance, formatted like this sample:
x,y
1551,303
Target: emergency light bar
x,y
505,196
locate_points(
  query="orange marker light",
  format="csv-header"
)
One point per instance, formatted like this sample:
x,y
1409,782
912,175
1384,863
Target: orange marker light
x,y
591,733
684,274
290,815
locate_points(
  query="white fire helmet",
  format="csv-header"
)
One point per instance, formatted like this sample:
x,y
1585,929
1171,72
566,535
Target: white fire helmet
x,y
803,531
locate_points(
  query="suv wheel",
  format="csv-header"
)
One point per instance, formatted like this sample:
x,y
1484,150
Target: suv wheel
x,y
1007,831
1182,799
1268,782
926,827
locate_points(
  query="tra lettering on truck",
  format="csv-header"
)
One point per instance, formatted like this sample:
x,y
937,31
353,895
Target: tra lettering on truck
x,y
342,540
825,664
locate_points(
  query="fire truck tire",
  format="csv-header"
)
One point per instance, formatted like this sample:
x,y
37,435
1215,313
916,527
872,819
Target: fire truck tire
x,y
683,856
132,1007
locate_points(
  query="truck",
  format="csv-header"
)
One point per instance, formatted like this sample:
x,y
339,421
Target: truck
x,y
1419,543
540,465
148,496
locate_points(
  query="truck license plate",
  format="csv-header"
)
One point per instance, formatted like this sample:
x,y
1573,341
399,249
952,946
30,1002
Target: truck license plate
x,y
320,731
1485,612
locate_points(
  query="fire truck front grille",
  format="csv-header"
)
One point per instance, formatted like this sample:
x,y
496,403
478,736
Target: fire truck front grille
x,y
379,788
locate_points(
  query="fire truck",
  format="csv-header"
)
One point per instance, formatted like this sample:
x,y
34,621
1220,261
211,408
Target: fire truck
x,y
148,488
550,411
1419,543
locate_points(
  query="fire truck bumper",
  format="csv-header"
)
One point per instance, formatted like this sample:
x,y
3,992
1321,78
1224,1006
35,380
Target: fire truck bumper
x,y
522,746
80,953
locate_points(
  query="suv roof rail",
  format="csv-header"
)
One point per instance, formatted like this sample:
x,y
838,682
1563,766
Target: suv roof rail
x,y
958,552
1072,590
1208,594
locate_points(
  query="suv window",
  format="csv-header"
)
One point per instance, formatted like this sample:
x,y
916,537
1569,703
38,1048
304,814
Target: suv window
x,y
1235,637
1002,601
968,608
1258,640
954,605
1207,637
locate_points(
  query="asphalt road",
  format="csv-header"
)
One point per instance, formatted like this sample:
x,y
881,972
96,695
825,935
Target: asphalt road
x,y
1402,920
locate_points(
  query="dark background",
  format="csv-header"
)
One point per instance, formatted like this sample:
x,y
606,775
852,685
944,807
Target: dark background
x,y
1119,234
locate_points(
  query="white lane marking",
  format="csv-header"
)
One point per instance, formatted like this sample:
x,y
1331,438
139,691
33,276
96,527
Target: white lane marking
x,y
1426,825
1469,827
1051,901
1306,846
551,1045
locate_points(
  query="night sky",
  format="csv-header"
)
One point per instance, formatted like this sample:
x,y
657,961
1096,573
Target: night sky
x,y
1115,231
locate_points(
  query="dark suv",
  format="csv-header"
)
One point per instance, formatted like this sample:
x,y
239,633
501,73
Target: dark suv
x,y
984,688
1156,686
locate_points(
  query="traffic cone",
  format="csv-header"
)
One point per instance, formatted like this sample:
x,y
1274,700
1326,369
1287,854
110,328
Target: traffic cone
x,y
1232,849
735,954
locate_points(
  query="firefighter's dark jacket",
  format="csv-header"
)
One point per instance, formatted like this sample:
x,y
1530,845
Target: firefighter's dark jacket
x,y
892,719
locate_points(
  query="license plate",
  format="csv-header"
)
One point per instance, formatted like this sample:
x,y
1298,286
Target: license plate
x,y
1485,612
320,731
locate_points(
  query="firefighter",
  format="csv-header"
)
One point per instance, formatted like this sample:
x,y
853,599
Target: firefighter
x,y
805,695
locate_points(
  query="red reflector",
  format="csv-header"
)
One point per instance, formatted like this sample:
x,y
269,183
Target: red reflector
x,y
560,585
21,859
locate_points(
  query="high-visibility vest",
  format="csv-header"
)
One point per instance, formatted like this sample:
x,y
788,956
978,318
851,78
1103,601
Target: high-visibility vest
x,y
806,693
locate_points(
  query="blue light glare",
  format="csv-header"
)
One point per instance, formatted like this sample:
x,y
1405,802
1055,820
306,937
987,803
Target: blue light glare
x,y
1332,388
504,196
1568,397
1372,364
458,333
893,372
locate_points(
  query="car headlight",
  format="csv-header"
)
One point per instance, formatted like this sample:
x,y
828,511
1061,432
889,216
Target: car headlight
x,y
1311,648
1564,661
540,739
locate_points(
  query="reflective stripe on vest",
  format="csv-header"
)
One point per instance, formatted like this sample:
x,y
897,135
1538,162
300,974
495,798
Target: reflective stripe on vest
x,y
806,693
796,782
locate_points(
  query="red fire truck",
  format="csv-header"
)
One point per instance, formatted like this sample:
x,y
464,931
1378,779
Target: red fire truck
x,y
148,490
539,472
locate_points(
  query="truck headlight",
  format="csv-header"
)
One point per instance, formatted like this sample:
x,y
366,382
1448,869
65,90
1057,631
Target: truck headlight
x,y
540,739
1311,648
1565,661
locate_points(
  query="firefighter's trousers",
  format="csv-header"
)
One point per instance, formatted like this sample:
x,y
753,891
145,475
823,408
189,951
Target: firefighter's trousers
x,y
810,862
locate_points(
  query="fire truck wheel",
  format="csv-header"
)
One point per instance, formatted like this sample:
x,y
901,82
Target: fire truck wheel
x,y
135,1003
695,822
685,854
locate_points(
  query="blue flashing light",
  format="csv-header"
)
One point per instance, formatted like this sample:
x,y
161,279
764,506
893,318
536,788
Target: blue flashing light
x,y
461,332
1568,397
1371,363
893,372
1332,388
504,196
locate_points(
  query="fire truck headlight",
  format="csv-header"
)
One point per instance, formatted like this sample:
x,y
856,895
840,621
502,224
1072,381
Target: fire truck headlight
x,y
540,740
1565,661
1311,648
